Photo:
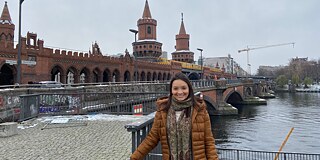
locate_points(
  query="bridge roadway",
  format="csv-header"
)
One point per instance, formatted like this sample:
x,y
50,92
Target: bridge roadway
x,y
104,138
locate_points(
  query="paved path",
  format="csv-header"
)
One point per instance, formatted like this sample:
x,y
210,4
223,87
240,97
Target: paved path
x,y
100,139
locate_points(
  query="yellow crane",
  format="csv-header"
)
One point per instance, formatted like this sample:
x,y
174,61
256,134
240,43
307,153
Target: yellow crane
x,y
261,47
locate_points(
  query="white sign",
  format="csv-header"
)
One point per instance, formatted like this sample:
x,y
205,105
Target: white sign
x,y
28,62
11,62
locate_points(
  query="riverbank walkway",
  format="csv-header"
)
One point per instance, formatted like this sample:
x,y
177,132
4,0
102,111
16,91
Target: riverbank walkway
x,y
91,137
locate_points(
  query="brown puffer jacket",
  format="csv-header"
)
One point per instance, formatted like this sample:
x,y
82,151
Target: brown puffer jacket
x,y
203,147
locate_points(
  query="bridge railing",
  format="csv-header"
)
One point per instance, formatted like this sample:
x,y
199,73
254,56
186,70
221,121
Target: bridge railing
x,y
37,85
233,81
84,103
141,128
202,83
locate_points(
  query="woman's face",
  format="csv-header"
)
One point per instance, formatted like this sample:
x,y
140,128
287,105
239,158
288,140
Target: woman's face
x,y
180,90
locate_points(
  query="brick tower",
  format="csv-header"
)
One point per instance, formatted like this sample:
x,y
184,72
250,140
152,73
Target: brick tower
x,y
146,47
6,28
182,52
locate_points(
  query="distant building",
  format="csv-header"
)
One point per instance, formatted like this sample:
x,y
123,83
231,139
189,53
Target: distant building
x,y
225,64
271,68
297,59
164,54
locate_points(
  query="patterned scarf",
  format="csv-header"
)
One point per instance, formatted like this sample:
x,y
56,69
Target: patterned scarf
x,y
179,132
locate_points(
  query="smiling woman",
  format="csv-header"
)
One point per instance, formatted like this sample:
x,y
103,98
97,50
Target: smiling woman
x,y
180,90
181,124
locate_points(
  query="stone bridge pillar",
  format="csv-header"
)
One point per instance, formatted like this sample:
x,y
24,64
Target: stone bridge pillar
x,y
252,92
223,107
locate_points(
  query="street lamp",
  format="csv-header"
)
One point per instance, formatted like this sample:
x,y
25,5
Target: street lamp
x,y
135,54
199,49
231,65
19,46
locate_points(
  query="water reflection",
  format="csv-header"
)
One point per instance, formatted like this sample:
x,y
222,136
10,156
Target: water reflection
x,y
265,127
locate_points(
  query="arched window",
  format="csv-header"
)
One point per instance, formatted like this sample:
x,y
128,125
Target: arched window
x,y
149,30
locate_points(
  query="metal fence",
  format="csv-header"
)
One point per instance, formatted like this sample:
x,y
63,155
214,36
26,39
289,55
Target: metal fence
x,y
236,154
9,108
141,128
84,103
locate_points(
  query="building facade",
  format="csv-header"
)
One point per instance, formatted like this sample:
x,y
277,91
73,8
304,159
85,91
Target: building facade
x,y
40,63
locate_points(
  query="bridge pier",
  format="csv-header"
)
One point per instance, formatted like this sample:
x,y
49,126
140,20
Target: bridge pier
x,y
223,108
226,109
214,98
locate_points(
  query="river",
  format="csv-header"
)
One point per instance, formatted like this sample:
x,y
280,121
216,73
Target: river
x,y
265,127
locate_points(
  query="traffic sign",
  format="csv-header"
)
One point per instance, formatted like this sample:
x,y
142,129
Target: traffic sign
x,y
11,62
28,62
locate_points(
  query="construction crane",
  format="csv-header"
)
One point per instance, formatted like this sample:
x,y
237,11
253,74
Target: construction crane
x,y
265,46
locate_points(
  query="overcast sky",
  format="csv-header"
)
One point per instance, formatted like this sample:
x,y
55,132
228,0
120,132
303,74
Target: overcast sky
x,y
219,27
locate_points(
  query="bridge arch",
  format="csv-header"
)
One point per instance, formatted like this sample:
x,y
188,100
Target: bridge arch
x,y
96,73
85,75
106,75
116,75
154,76
159,76
193,76
234,98
211,107
136,76
248,91
164,76
57,73
126,76
143,76
149,76
72,75
7,73
169,76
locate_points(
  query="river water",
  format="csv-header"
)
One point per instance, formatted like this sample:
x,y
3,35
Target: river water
x,y
265,127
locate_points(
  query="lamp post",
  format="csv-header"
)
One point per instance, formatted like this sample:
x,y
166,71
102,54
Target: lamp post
x,y
19,46
199,49
135,54
231,65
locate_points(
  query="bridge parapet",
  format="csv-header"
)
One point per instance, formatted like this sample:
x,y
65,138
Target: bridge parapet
x,y
203,84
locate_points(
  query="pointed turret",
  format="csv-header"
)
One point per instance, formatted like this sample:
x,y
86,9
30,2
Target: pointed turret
x,y
217,65
6,28
147,48
182,29
5,16
223,68
146,12
182,52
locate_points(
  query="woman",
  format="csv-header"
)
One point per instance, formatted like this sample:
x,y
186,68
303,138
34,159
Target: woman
x,y
181,124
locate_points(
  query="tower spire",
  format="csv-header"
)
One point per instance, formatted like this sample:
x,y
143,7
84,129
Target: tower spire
x,y
147,47
182,52
182,29
5,16
146,12
181,16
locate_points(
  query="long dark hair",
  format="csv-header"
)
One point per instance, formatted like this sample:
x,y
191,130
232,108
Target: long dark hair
x,y
183,77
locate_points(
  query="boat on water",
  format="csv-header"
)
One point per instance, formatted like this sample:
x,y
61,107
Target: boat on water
x,y
314,88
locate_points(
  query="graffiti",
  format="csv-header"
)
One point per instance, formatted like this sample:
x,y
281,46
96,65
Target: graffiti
x,y
58,103
47,109
12,101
